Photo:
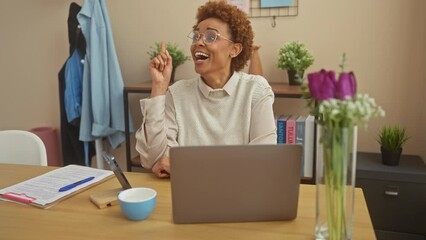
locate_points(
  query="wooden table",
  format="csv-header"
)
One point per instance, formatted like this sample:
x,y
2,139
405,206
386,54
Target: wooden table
x,y
78,218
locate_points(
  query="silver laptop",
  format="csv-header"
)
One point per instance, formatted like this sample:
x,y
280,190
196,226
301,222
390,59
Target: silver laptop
x,y
235,183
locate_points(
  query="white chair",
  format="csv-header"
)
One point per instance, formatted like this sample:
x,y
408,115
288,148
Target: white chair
x,y
22,147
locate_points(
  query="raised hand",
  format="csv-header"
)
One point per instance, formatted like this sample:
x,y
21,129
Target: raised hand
x,y
160,69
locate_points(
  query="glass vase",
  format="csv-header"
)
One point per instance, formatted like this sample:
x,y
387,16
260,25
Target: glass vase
x,y
335,182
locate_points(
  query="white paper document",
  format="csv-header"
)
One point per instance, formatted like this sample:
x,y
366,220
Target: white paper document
x,y
44,189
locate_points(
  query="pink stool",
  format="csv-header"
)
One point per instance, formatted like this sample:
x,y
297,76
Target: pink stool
x,y
50,139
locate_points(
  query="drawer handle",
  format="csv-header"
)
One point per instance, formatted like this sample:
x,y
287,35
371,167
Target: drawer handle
x,y
391,193
391,190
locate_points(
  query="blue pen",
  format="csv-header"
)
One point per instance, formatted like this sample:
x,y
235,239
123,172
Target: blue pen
x,y
73,185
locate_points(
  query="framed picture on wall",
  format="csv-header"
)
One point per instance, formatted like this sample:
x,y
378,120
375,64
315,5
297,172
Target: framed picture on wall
x,y
241,4
275,3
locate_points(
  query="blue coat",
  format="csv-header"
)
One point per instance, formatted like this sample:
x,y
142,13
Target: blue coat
x,y
73,84
102,113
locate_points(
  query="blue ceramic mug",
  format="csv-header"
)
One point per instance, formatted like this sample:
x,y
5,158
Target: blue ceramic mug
x,y
137,203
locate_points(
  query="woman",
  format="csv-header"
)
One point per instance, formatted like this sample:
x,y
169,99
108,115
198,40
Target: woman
x,y
221,106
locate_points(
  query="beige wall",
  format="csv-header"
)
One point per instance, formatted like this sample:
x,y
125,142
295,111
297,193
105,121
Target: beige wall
x,y
385,41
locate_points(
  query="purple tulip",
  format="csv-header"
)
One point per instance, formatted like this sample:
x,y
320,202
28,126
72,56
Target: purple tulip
x,y
346,86
322,84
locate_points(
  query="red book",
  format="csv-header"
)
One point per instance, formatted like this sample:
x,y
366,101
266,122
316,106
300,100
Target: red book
x,y
291,129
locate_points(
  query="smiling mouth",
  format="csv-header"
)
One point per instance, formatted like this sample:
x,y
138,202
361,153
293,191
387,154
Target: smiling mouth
x,y
200,56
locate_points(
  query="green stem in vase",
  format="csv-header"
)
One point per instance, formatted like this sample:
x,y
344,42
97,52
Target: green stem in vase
x,y
336,143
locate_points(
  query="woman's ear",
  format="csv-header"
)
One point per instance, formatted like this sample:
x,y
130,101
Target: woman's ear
x,y
236,50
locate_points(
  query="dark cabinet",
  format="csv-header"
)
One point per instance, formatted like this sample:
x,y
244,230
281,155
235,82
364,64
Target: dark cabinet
x,y
395,195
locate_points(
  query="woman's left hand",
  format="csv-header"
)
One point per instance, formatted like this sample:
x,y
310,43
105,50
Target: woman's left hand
x,y
161,168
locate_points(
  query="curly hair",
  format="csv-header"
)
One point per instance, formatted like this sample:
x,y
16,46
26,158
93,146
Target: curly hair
x,y
238,23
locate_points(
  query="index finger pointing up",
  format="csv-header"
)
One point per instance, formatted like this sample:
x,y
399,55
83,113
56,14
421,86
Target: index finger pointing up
x,y
163,47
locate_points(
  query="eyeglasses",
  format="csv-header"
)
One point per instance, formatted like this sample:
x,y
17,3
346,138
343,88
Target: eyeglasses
x,y
209,36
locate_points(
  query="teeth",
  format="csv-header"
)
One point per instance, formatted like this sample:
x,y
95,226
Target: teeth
x,y
201,54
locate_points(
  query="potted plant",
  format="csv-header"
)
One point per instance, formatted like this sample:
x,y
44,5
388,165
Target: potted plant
x,y
295,58
391,140
178,57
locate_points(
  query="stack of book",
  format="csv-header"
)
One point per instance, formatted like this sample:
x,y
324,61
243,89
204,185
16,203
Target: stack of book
x,y
298,129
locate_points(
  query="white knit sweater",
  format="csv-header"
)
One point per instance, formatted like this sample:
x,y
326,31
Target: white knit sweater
x,y
192,113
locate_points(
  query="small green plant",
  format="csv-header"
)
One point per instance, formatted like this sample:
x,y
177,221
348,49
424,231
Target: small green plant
x,y
178,57
295,56
392,137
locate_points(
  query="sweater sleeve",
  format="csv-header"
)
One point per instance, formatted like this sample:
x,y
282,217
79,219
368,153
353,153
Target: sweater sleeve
x,y
262,127
151,140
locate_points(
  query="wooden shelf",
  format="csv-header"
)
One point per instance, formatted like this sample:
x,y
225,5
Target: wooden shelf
x,y
280,89
144,87
284,90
